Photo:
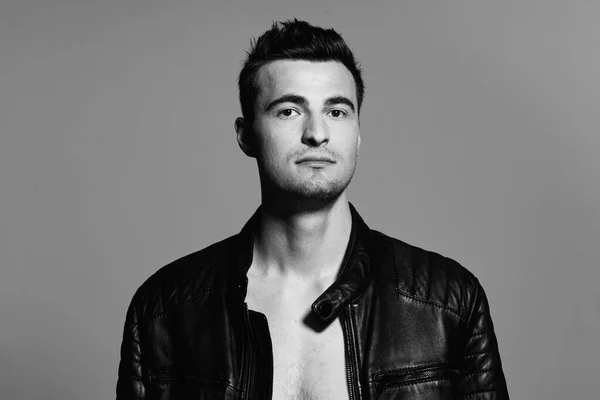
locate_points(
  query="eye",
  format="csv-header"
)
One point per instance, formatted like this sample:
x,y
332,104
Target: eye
x,y
338,114
287,113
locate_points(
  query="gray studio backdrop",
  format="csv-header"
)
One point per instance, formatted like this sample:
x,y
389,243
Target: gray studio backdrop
x,y
117,155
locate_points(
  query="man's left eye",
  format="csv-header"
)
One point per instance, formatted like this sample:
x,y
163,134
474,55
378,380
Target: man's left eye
x,y
337,113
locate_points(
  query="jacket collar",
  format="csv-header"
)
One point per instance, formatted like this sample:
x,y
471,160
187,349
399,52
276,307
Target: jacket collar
x,y
354,276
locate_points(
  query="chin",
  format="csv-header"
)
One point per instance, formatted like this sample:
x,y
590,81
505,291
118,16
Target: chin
x,y
318,191
321,194
315,187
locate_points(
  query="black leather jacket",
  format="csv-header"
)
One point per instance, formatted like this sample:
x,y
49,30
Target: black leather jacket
x,y
416,325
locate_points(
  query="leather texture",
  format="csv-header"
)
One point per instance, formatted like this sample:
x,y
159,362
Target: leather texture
x,y
416,325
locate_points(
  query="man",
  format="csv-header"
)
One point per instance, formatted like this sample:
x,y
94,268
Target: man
x,y
307,302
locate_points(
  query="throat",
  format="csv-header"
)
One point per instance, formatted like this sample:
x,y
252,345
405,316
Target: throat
x,y
308,245
284,295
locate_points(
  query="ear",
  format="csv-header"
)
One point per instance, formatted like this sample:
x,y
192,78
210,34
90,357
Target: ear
x,y
245,137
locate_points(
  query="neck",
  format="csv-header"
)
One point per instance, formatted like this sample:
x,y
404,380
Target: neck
x,y
306,243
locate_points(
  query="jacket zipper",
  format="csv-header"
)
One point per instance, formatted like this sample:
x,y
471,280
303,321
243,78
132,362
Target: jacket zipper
x,y
385,380
249,367
349,353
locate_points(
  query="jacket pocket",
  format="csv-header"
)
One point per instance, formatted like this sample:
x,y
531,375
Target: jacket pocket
x,y
159,384
206,382
386,380
173,384
162,377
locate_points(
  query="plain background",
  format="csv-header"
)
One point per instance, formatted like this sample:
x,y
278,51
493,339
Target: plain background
x,y
480,138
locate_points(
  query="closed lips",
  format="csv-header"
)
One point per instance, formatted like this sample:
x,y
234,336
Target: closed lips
x,y
319,159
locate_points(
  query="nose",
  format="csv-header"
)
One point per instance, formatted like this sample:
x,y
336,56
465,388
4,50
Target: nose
x,y
316,131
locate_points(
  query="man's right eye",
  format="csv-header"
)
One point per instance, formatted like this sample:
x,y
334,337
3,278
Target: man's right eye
x,y
287,113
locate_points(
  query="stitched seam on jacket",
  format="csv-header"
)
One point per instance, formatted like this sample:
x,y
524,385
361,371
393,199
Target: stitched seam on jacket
x,y
410,369
165,313
410,296
190,300
416,381
428,274
471,355
474,303
431,303
481,371
488,390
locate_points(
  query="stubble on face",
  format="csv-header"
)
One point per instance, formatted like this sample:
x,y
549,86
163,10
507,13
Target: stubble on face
x,y
316,187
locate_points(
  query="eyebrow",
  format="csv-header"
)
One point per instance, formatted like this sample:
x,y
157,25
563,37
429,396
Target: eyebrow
x,y
302,101
340,100
287,98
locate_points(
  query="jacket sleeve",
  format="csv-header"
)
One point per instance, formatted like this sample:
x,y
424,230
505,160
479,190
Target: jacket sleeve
x,y
130,385
481,375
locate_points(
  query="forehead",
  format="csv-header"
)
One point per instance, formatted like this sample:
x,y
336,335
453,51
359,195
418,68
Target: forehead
x,y
305,78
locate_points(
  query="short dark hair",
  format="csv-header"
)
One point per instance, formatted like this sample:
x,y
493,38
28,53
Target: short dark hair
x,y
294,40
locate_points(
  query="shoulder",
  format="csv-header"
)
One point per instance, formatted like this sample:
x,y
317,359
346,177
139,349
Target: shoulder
x,y
426,276
186,279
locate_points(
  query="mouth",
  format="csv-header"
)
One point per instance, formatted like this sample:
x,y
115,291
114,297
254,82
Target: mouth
x,y
315,160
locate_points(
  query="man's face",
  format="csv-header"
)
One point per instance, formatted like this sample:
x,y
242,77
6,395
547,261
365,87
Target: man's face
x,y
306,130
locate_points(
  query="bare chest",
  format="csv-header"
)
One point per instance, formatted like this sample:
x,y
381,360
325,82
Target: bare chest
x,y
308,363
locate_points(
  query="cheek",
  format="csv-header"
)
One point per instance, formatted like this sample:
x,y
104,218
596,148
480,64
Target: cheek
x,y
273,152
350,143
277,144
